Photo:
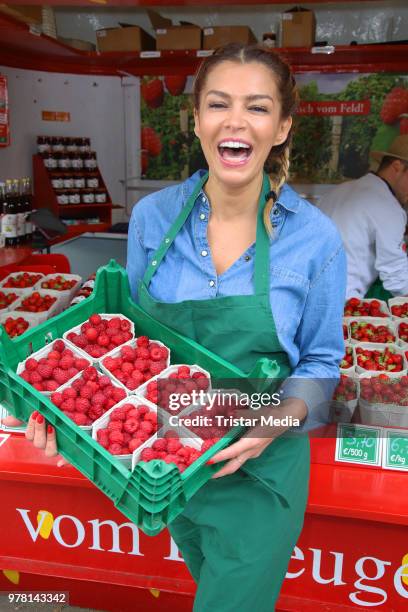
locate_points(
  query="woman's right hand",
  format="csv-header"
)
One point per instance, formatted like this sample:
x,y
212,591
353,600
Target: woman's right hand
x,y
43,436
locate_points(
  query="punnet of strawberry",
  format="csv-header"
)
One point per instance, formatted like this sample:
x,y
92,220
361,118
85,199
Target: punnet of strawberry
x,y
380,360
129,427
403,332
171,449
364,331
6,299
385,390
400,310
88,397
345,332
97,336
137,362
346,390
15,326
348,359
58,283
21,281
363,308
36,303
54,368
182,381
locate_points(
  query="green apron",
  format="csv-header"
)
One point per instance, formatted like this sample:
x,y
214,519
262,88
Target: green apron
x,y
237,533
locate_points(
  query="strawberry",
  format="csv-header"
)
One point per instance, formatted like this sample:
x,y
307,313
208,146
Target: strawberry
x,y
22,281
151,141
175,84
152,92
395,104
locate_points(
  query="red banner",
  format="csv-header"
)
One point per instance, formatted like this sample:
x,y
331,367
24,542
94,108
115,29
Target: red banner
x,y
335,107
4,113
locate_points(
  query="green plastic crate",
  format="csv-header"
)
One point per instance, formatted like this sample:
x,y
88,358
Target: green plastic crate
x,y
155,492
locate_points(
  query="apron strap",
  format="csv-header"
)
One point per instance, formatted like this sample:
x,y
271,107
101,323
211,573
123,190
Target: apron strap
x,y
261,266
173,231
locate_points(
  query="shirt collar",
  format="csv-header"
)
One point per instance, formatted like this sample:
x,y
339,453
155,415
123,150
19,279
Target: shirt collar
x,y
386,182
288,198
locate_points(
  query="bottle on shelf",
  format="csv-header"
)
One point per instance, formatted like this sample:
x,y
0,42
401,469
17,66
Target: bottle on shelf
x,y
28,207
9,220
20,212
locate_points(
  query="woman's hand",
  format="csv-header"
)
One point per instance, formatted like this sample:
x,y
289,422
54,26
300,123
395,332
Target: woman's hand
x,y
254,442
43,436
11,421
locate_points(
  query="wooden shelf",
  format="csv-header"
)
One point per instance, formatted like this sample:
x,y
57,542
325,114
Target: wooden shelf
x,y
62,207
20,48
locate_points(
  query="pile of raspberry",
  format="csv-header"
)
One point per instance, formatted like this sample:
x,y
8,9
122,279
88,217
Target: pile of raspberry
x,y
183,381
171,450
55,369
98,336
128,428
88,397
138,363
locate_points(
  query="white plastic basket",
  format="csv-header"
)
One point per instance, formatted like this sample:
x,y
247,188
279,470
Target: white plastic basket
x,y
352,368
383,308
116,352
385,415
170,370
371,346
77,329
18,292
65,296
346,323
103,421
389,323
397,301
15,274
40,317
86,428
43,352
30,317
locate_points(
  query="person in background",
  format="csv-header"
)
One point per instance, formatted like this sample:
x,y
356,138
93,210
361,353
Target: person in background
x,y
369,213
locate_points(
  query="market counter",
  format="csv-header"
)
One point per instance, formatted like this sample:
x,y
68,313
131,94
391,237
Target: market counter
x,y
59,532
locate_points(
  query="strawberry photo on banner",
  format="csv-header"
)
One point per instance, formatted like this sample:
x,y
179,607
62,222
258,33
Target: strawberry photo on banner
x,y
341,118
4,113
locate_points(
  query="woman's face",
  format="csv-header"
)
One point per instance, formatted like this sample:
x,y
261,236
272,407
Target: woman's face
x,y
239,121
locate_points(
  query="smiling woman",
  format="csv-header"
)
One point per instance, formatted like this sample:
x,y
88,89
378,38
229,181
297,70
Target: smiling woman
x,y
234,259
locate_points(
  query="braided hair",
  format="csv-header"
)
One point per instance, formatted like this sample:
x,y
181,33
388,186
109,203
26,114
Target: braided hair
x,y
277,162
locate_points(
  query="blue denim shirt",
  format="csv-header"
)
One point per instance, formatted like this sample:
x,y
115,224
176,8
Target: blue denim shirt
x,y
307,278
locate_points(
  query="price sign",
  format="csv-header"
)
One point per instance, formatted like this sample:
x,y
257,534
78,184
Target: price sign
x,y
359,444
395,455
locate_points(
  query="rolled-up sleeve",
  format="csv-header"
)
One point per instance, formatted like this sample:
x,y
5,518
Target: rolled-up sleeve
x,y
320,341
136,256
391,261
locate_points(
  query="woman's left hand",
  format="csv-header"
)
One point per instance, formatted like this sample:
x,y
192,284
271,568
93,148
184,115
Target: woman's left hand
x,y
254,442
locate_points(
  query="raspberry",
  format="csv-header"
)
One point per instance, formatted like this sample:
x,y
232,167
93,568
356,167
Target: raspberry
x,y
206,445
26,376
134,444
68,405
125,325
98,399
95,412
56,399
102,433
173,446
118,339
129,353
86,392
81,341
116,437
115,449
78,384
90,373
155,353
91,334
45,371
66,363
142,341
118,394
171,459
82,405
119,414
164,352
39,386
126,437
115,426
72,372
147,454
50,385
114,323
103,340
156,367
36,376
160,444
131,425
151,416
60,375
59,346
69,393
193,456
127,367
137,377
146,426
31,364
81,363
110,363
95,319
142,409
142,353
104,381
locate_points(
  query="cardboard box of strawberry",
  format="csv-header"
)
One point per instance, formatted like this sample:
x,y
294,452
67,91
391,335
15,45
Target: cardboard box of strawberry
x,y
383,389
21,281
15,325
380,358
7,298
346,390
58,283
348,360
36,302
365,331
365,308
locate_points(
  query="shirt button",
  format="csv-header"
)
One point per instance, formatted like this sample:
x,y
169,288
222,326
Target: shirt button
x,y
202,216
211,283
276,211
203,198
247,258
204,253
